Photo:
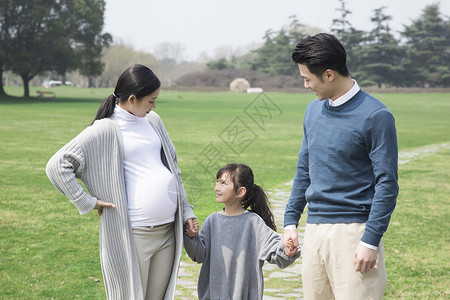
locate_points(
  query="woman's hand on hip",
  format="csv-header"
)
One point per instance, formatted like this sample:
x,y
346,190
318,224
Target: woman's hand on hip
x,y
100,204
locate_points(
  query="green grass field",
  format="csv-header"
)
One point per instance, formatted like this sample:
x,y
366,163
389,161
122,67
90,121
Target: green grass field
x,y
48,251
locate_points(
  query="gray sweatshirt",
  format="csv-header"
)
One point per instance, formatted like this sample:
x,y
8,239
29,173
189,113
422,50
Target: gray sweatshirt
x,y
233,250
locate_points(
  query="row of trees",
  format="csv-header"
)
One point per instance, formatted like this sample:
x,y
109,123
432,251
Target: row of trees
x,y
60,37
119,56
420,57
57,35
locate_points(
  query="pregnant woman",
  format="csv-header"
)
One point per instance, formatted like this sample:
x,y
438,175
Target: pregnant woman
x,y
128,165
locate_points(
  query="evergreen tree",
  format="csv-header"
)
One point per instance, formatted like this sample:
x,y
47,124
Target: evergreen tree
x,y
350,38
380,55
296,31
428,55
262,56
274,57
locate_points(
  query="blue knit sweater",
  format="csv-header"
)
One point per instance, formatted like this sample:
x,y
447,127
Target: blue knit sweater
x,y
347,166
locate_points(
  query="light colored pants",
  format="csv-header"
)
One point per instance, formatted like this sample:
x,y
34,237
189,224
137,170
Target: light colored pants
x,y
328,264
155,247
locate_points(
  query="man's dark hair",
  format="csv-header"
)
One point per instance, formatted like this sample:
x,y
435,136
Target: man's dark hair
x,y
321,52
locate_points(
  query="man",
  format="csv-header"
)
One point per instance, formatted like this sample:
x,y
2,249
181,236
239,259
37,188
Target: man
x,y
347,173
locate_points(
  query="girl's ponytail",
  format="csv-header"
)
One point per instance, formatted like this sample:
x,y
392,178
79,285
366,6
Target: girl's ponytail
x,y
255,198
258,203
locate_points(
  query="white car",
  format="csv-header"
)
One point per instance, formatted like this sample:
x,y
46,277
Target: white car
x,y
52,83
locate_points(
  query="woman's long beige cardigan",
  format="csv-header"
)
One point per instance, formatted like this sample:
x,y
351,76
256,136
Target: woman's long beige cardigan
x,y
95,156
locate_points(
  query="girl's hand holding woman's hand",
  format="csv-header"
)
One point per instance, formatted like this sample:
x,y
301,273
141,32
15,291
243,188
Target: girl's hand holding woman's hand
x,y
100,204
192,226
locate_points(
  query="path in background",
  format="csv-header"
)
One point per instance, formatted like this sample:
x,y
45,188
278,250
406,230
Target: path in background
x,y
188,274
278,198
417,153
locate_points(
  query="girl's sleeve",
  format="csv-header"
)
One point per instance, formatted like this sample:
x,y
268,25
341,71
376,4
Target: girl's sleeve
x,y
63,169
272,250
196,246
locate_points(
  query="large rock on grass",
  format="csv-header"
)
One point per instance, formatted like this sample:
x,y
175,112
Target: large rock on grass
x,y
239,85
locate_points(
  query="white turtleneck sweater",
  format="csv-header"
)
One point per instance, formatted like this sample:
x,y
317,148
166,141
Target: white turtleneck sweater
x,y
150,186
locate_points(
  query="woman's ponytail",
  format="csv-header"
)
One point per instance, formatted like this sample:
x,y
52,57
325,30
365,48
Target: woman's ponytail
x,y
106,108
137,80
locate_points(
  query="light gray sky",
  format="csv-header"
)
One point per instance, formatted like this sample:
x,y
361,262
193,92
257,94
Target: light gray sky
x,y
205,25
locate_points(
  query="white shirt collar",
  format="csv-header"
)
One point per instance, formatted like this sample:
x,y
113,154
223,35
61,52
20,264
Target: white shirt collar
x,y
347,96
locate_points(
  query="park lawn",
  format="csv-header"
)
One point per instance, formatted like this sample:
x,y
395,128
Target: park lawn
x,y
48,251
417,243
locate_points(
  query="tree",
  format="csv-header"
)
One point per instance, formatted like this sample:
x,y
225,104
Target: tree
x,y
428,55
4,38
26,32
2,90
42,35
274,56
117,58
221,64
350,38
381,55
169,54
86,26
170,51
296,31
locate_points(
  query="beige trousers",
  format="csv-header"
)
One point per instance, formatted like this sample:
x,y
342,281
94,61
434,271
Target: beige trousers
x,y
155,247
328,265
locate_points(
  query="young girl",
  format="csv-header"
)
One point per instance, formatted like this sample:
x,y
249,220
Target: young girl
x,y
234,243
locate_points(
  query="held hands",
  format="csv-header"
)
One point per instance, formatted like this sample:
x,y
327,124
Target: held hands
x,y
290,242
100,204
290,249
365,259
191,226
